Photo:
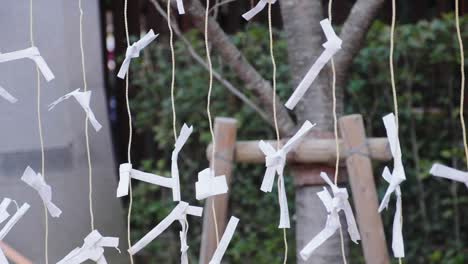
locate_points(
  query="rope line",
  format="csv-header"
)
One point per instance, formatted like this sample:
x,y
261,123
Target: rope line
x,y
171,44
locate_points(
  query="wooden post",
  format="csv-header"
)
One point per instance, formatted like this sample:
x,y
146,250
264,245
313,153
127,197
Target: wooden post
x,y
364,195
225,138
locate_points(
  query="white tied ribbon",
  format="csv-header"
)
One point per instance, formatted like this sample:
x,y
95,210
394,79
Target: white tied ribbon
x,y
224,243
332,46
257,9
7,96
339,202
134,50
180,7
29,53
9,225
37,182
126,172
275,160
210,185
84,99
395,178
92,249
443,171
179,213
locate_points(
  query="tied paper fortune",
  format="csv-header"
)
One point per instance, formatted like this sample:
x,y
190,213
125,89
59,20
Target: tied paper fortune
x,y
37,182
92,249
126,172
29,53
224,243
84,99
332,46
180,7
395,178
9,225
134,50
443,171
257,9
7,96
275,160
179,213
339,202
210,185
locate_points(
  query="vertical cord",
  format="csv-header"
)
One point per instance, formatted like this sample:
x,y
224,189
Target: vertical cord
x,y
278,139
41,137
130,132
392,79
208,111
88,149
462,74
171,44
335,129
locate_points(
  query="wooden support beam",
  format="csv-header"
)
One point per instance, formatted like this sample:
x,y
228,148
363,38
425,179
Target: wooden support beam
x,y
363,188
312,151
225,136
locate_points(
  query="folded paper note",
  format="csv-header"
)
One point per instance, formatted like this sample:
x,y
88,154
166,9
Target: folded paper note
x,y
84,99
443,171
180,7
339,202
257,9
3,209
395,178
29,53
209,185
179,213
133,51
9,225
224,243
7,96
332,46
92,249
126,172
275,160
37,182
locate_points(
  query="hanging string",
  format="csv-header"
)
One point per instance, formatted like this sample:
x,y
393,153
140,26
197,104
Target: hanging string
x,y
208,111
41,137
275,117
392,79
171,44
462,81
130,132
88,149
335,130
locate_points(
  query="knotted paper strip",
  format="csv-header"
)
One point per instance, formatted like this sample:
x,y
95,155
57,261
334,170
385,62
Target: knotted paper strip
x,y
224,243
339,202
332,46
180,7
92,249
126,172
84,99
3,209
37,182
257,9
443,171
133,51
9,225
210,185
275,160
29,53
394,179
7,96
179,213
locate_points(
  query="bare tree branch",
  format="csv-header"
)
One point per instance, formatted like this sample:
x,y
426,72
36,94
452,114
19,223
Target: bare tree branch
x,y
239,64
202,62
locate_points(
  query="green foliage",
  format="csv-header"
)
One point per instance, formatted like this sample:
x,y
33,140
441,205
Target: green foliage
x,y
426,60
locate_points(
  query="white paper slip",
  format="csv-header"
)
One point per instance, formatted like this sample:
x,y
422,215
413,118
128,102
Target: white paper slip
x,y
84,99
37,182
29,53
332,46
7,96
134,50
257,9
339,202
126,172
210,185
185,133
225,240
446,172
180,7
275,161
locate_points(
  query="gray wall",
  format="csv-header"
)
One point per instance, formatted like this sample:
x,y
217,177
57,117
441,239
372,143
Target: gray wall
x,y
57,37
